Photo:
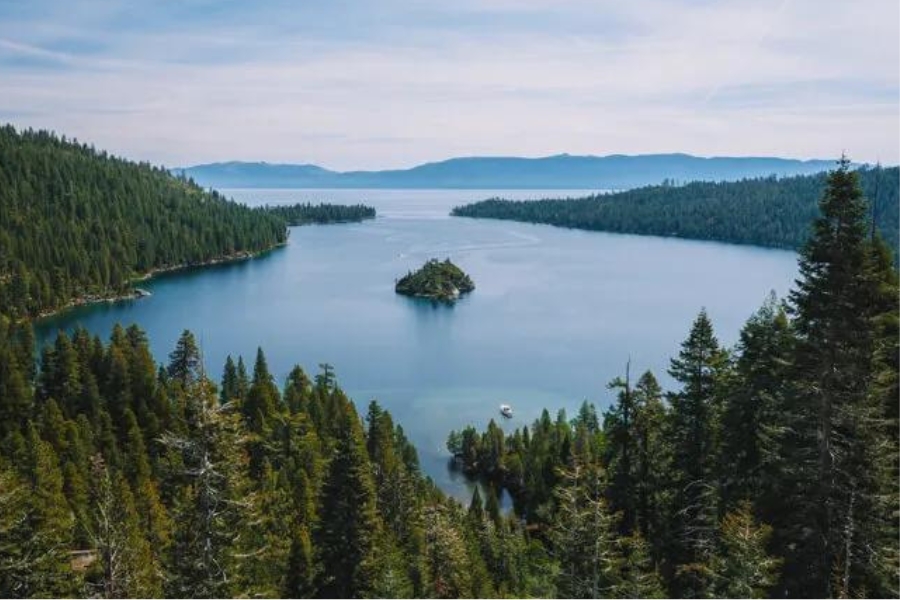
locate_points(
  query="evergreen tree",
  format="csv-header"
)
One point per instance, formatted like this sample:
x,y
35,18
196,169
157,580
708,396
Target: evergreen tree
x,y
349,525
492,506
16,371
753,421
885,389
742,567
700,368
50,524
124,564
229,389
476,506
621,453
153,520
263,542
837,442
386,466
582,536
297,390
210,508
184,361
450,568
653,458
260,409
21,561
301,569
243,381
638,577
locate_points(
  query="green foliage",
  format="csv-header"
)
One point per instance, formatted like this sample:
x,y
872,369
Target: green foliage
x,y
77,224
349,524
753,425
622,452
50,523
764,212
771,469
693,429
303,214
840,498
638,577
125,565
437,280
253,493
184,361
742,567
653,464
582,536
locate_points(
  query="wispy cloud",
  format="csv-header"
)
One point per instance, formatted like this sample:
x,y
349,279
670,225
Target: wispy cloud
x,y
374,85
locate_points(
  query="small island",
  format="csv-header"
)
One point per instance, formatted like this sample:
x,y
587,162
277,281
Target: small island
x,y
441,281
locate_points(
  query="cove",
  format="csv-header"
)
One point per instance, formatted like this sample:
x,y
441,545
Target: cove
x,y
556,313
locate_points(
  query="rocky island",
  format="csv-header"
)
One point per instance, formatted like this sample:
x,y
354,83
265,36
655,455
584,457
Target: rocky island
x,y
442,281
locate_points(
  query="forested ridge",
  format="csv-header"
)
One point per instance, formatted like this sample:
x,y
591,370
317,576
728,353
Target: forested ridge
x,y
770,471
772,211
77,223
307,213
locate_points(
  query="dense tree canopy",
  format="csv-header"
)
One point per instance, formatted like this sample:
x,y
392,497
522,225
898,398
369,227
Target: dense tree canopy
x,y
121,477
77,223
772,211
303,214
438,280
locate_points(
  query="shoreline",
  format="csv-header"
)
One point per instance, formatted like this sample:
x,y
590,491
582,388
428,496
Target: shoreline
x,y
136,293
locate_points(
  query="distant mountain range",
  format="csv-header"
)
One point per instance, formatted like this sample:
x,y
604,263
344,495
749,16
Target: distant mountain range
x,y
563,171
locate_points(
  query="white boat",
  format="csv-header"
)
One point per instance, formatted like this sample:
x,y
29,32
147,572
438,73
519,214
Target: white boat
x,y
506,411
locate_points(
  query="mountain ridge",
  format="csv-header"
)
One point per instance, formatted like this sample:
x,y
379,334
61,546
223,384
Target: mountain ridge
x,y
560,171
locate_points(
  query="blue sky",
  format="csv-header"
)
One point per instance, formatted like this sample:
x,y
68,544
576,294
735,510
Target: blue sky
x,y
361,84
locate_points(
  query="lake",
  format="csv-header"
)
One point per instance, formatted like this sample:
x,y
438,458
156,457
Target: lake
x,y
555,315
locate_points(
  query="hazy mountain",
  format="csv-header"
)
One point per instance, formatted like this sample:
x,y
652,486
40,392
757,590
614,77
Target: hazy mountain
x,y
561,171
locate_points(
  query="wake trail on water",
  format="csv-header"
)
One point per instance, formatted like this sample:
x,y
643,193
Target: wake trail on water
x,y
523,240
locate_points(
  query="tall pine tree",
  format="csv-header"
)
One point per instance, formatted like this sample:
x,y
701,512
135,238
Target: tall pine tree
x,y
838,435
701,368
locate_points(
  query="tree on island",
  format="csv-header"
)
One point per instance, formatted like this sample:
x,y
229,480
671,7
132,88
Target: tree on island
x,y
437,280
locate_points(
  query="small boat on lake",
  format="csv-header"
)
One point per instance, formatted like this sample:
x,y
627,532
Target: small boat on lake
x,y
506,411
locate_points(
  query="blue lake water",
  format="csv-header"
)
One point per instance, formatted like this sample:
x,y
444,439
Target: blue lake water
x,y
555,315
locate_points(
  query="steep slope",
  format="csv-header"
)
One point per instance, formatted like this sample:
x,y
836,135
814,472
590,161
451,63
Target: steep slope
x,y
78,224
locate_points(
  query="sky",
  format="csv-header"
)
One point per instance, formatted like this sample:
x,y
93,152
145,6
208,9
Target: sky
x,y
388,84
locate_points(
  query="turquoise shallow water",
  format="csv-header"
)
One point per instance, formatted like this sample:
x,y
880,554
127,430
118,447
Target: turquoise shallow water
x,y
555,315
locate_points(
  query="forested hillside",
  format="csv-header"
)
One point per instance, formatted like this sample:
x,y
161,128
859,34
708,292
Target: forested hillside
x,y
77,223
770,471
774,212
121,478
